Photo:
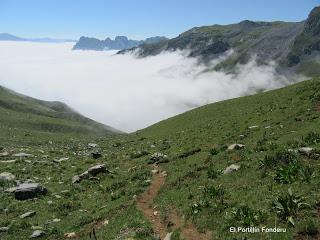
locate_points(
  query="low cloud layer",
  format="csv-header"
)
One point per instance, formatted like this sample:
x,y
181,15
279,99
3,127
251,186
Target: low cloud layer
x,y
120,90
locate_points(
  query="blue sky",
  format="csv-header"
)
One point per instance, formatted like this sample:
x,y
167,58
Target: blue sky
x,y
137,18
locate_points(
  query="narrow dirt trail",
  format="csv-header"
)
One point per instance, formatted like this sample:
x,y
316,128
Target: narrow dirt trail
x,y
145,204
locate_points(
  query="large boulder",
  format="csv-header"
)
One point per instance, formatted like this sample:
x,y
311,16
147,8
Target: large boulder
x,y
29,190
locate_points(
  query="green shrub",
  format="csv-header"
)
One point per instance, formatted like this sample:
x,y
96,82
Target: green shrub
x,y
244,216
307,174
282,157
288,173
138,154
213,173
214,151
288,205
312,138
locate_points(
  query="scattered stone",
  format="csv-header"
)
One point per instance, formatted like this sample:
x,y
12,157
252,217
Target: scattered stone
x,y
49,202
8,161
305,150
293,150
4,229
105,222
11,190
28,214
168,236
252,127
154,171
267,127
57,196
22,155
158,157
29,190
236,146
55,220
92,145
231,168
61,160
155,213
70,235
6,176
4,154
91,172
37,234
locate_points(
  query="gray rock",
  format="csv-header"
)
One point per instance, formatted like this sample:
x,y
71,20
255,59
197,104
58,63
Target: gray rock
x,y
4,229
252,127
231,168
305,150
29,190
236,146
22,155
6,176
157,157
11,190
91,172
8,161
77,179
55,220
28,214
100,168
37,234
92,145
61,160
96,154
4,154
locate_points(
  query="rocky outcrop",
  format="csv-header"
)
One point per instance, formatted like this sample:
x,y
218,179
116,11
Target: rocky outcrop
x,y
91,172
29,190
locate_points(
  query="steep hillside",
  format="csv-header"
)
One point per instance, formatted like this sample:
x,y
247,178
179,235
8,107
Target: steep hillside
x,y
27,119
293,45
251,161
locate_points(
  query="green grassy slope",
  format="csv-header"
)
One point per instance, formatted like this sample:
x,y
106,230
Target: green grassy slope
x,y
27,119
195,143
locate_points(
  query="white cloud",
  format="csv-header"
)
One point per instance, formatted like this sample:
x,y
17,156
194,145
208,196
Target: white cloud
x,y
121,90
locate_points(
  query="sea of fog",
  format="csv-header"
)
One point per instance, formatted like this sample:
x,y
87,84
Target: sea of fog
x,y
123,91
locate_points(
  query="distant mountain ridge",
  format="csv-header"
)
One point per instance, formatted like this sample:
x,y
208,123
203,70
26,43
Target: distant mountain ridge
x,y
119,43
10,37
295,46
